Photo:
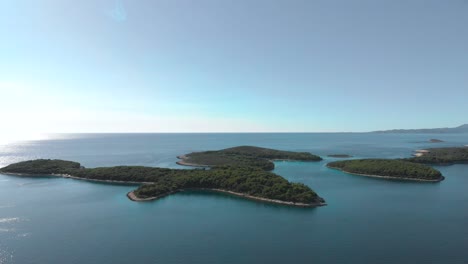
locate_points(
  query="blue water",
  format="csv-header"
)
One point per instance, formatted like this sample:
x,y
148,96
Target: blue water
x,y
367,220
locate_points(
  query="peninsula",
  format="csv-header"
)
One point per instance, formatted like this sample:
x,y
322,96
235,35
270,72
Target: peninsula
x,y
240,179
389,169
441,156
244,156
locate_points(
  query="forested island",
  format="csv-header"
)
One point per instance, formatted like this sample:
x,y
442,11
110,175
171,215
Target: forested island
x,y
387,168
243,171
441,156
251,182
244,156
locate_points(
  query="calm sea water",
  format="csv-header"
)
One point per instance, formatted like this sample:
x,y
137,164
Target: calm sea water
x,y
55,220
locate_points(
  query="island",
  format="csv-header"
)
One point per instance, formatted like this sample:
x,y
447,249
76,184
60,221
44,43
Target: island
x,y
340,156
388,169
441,156
434,140
244,156
251,182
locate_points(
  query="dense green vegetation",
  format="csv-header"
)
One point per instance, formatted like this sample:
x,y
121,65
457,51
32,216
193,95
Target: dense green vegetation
x,y
247,180
42,166
215,158
443,156
386,167
247,156
273,154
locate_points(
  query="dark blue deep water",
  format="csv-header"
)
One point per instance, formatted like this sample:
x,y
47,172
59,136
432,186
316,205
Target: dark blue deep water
x,y
367,220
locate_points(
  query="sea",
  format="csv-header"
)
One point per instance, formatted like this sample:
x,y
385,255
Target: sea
x,y
54,220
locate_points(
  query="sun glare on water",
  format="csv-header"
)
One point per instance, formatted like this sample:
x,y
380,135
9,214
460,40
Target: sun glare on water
x,y
12,137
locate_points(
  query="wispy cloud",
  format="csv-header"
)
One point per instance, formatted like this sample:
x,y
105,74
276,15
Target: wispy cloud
x,y
118,12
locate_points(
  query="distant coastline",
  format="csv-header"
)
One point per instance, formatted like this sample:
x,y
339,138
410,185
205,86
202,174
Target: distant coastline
x,y
444,130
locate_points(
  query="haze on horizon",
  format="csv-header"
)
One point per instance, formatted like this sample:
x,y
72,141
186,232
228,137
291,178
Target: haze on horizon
x,y
231,66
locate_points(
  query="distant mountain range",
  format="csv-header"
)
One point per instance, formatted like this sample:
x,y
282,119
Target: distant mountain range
x,y
459,129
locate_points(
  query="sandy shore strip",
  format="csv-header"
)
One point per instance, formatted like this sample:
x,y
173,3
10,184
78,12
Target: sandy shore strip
x,y
388,177
133,197
183,162
420,152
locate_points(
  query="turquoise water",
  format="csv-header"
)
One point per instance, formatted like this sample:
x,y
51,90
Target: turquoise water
x,y
55,220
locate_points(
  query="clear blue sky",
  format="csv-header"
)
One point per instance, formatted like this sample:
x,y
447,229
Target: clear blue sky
x,y
232,65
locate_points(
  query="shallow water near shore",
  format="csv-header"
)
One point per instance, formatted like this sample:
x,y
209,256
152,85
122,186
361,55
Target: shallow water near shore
x,y
367,220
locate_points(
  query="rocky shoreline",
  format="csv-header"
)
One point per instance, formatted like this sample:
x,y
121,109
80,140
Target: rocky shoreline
x,y
131,195
76,178
388,177
184,158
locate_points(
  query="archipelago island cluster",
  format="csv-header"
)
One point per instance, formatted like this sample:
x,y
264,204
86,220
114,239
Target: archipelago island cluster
x,y
244,171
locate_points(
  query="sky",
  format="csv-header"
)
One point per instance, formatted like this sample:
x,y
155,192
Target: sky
x,y
232,65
